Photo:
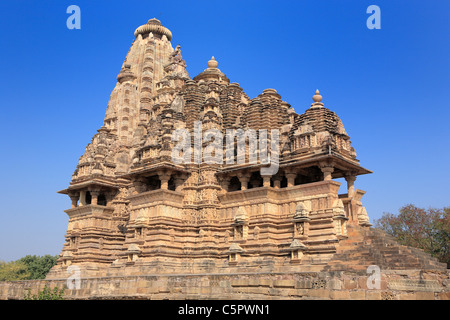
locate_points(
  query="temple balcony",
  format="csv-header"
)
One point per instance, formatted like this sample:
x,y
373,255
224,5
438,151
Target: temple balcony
x,y
155,204
268,200
89,210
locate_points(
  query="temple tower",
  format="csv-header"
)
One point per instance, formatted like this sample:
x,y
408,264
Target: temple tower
x,y
140,206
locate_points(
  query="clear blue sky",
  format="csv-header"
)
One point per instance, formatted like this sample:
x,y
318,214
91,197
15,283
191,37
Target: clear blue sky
x,y
390,87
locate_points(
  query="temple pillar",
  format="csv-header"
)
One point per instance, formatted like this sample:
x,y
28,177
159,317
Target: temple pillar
x,y
179,180
277,182
74,197
164,177
350,185
327,171
94,196
290,179
266,181
243,178
82,198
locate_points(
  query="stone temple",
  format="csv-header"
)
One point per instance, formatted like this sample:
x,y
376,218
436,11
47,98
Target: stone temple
x,y
135,211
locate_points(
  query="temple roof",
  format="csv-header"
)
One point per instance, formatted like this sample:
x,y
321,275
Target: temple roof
x,y
154,96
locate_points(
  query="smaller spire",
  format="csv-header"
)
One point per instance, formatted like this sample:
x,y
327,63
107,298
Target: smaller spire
x,y
317,98
212,63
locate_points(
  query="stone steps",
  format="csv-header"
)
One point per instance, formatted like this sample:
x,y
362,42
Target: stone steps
x,y
366,247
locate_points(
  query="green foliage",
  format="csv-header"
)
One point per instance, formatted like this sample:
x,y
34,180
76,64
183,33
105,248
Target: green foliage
x,y
46,294
427,229
27,268
14,270
38,266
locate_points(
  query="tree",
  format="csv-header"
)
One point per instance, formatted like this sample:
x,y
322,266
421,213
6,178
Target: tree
x,y
13,270
427,229
27,268
39,266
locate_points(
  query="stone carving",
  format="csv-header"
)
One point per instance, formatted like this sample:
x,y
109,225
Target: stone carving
x,y
240,216
363,217
300,229
301,211
319,284
338,208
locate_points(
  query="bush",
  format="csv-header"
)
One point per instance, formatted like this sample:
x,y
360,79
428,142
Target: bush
x,y
46,294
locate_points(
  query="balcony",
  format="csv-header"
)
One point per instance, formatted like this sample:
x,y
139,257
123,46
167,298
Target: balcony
x,y
159,196
90,209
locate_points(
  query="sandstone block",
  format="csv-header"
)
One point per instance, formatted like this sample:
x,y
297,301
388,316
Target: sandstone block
x,y
284,283
320,293
358,295
373,295
443,295
340,294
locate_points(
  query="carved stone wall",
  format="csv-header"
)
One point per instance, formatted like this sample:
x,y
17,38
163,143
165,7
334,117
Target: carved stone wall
x,y
394,285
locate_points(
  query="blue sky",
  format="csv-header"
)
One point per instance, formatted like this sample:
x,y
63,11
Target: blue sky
x,y
390,87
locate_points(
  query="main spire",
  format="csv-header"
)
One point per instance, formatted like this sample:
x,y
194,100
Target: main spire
x,y
155,27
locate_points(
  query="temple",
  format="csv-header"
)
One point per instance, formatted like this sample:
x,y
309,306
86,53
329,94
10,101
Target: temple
x,y
136,211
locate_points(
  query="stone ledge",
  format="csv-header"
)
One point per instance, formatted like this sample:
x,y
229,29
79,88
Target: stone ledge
x,y
308,285
414,285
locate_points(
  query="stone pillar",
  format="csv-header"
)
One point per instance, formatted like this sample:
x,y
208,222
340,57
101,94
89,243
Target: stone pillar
x,y
94,196
243,178
266,181
350,185
178,182
277,182
164,177
74,198
82,198
290,179
327,171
